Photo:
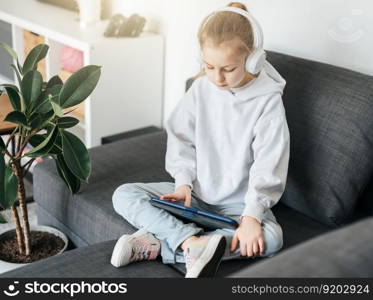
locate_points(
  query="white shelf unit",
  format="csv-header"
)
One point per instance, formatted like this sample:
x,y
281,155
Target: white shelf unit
x,y
130,91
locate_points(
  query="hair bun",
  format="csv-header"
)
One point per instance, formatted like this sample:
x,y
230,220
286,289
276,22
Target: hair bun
x,y
238,4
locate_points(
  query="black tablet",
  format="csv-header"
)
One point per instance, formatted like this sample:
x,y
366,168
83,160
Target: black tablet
x,y
204,219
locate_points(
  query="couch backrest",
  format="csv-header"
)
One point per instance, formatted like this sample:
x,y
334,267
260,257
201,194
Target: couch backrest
x,y
330,116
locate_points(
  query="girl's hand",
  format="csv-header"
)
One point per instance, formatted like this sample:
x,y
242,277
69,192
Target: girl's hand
x,y
182,193
250,236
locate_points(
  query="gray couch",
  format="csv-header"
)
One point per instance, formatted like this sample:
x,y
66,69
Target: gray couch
x,y
325,212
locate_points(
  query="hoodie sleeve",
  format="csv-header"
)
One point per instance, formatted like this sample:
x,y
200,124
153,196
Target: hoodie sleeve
x,y
181,154
268,173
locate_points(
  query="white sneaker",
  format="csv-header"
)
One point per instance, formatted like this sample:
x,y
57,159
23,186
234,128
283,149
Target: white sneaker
x,y
141,245
203,256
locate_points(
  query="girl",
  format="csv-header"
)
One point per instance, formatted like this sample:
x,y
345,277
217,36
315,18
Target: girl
x,y
228,151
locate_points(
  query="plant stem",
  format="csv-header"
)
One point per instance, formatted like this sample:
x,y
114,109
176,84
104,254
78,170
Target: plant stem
x,y
19,233
24,144
22,232
66,113
7,153
22,204
29,163
19,140
10,137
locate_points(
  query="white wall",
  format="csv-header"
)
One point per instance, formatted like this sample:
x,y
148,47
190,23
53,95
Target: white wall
x,y
339,32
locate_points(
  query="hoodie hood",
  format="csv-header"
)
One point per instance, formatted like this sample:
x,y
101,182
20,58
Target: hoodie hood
x,y
269,81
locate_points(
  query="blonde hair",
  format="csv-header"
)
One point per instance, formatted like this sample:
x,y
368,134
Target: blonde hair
x,y
224,26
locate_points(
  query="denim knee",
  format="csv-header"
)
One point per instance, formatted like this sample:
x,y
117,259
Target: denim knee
x,y
121,199
274,241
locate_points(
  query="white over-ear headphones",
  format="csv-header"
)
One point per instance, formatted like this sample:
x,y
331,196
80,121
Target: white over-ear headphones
x,y
255,61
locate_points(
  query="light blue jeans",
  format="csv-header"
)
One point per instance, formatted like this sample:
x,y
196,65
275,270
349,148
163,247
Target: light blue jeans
x,y
131,201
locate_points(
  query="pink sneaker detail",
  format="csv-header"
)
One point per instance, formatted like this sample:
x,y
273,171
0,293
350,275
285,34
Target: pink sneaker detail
x,y
145,248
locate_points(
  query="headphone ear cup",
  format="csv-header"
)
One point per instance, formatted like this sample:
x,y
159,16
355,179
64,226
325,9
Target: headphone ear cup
x,y
255,61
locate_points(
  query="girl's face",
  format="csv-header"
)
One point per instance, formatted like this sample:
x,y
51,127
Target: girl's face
x,y
223,66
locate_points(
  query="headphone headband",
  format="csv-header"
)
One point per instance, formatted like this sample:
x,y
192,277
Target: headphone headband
x,y
258,32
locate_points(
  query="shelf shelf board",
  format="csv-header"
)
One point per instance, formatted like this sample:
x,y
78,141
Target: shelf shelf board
x,y
55,23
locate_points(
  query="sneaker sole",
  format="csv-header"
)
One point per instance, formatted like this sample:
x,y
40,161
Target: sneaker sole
x,y
123,250
208,264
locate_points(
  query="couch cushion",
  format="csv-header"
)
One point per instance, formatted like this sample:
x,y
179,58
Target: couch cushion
x,y
91,261
346,252
329,112
90,213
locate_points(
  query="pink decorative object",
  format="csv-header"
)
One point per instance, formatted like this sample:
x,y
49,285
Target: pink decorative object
x,y
71,59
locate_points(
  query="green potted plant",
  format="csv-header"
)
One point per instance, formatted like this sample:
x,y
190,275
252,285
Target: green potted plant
x,y
39,114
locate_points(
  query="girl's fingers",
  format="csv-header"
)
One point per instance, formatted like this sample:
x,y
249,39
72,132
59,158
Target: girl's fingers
x,y
249,250
188,201
255,249
261,246
176,198
168,197
243,248
234,243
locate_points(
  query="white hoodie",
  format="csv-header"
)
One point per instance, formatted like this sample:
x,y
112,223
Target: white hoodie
x,y
231,148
